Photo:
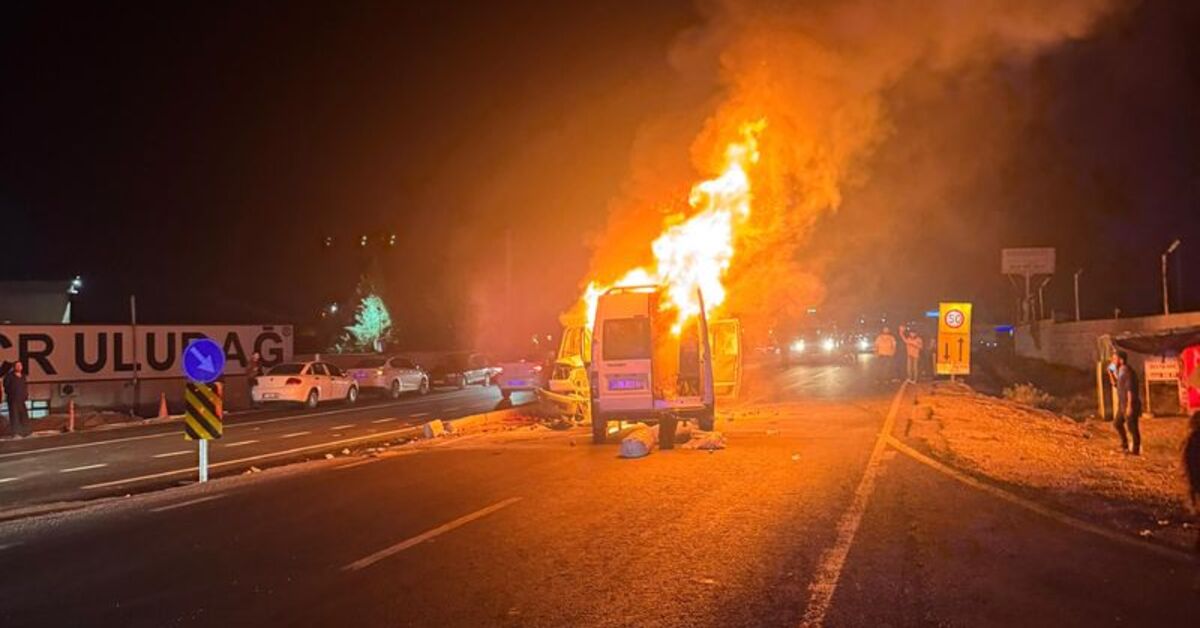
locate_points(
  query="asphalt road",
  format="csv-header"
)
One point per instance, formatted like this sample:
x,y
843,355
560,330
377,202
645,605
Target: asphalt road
x,y
87,465
540,528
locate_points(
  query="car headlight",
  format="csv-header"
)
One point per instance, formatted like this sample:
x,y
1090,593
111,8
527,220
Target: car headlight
x,y
863,345
828,345
798,346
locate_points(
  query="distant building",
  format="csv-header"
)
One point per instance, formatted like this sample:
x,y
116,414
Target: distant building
x,y
37,302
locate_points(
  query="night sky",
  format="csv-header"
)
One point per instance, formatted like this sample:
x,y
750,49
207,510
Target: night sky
x,y
198,155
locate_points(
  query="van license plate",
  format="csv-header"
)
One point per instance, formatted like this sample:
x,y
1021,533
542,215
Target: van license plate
x,y
626,383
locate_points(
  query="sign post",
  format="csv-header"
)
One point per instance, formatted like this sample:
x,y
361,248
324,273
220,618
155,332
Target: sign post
x,y
1028,262
203,363
954,339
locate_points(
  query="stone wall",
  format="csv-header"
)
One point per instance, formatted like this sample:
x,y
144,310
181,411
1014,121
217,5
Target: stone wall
x,y
1076,343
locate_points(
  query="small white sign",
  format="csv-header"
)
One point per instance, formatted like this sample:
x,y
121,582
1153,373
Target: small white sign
x,y
1162,370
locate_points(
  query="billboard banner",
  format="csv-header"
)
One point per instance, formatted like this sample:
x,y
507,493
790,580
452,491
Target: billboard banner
x,y
81,353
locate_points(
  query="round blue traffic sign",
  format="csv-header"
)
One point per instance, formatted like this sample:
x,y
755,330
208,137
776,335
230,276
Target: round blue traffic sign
x,y
203,361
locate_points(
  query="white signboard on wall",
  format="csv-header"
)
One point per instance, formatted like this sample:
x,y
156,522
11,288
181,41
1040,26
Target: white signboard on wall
x,y
80,353
1027,261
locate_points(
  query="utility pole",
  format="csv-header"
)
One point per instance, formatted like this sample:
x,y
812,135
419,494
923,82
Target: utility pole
x,y
1077,274
136,361
1165,289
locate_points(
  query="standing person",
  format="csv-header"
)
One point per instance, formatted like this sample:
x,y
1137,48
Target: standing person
x,y
1129,405
885,353
1191,466
912,347
253,370
16,393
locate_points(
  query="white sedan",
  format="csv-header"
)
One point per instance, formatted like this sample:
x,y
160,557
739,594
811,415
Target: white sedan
x,y
395,376
307,383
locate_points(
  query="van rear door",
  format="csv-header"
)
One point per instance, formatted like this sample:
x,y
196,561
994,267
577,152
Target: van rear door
x,y
727,357
621,352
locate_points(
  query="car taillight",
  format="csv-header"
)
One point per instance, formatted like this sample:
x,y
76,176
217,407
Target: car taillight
x,y
293,381
379,371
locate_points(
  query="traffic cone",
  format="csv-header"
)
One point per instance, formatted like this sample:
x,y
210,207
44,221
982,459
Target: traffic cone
x,y
162,406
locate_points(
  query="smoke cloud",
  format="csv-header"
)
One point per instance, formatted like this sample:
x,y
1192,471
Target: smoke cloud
x,y
824,76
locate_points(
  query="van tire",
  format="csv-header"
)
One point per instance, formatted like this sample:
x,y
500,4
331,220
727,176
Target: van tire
x,y
666,433
707,421
599,431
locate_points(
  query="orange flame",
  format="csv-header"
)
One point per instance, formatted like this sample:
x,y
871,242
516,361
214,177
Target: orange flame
x,y
696,253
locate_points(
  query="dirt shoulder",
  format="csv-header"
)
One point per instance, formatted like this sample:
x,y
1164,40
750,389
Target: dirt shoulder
x,y
1076,466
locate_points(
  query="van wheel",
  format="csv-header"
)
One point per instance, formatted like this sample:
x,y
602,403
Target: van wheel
x,y
666,433
395,389
707,421
599,431
312,400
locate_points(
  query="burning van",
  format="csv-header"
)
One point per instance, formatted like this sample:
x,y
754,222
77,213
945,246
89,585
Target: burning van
x,y
647,365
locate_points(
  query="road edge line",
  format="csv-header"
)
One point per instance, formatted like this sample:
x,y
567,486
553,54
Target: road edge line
x,y
829,568
1032,506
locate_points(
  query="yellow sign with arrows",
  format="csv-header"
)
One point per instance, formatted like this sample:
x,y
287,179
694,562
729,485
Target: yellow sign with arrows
x,y
954,339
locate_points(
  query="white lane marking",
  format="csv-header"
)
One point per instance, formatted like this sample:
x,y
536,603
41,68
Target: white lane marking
x,y
451,409
240,443
295,434
829,569
417,415
358,463
83,468
198,500
30,452
170,454
1050,513
367,561
4,546
5,480
341,427
273,454
384,420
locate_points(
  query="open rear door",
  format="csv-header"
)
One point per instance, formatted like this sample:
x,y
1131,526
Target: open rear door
x,y
726,342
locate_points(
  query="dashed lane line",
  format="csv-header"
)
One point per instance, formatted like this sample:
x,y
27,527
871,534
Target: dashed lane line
x,y
829,568
387,420
172,454
240,443
6,480
227,463
367,561
85,467
341,427
295,434
417,415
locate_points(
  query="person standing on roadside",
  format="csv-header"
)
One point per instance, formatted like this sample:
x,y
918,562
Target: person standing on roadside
x,y
885,353
1129,405
912,348
16,393
253,371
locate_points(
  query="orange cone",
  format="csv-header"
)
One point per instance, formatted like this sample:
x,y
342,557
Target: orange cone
x,y
162,406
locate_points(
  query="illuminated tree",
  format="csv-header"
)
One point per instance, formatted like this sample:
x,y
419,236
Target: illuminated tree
x,y
372,326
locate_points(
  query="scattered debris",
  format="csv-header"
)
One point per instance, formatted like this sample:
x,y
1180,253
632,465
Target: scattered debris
x,y
639,442
706,441
346,451
795,457
434,429
329,456
1145,534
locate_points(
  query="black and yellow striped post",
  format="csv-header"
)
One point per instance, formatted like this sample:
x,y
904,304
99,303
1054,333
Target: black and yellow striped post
x,y
203,418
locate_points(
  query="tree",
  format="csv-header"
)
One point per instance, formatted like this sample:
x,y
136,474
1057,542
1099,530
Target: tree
x,y
372,326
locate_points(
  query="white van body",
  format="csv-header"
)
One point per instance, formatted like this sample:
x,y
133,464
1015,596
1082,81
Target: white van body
x,y
641,370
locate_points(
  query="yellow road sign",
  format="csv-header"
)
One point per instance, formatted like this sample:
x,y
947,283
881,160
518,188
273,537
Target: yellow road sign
x,y
954,339
205,411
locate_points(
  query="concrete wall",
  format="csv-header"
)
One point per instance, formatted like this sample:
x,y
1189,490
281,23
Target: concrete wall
x,y
1075,343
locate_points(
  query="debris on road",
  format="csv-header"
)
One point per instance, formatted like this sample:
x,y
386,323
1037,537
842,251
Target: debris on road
x,y
329,456
639,442
706,441
434,429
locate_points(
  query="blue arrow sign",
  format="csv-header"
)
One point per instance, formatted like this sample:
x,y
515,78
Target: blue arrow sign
x,y
203,361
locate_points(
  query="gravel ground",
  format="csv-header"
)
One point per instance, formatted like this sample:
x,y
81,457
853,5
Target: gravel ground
x,y
1076,465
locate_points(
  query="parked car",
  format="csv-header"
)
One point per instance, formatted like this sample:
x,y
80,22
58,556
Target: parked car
x,y
393,375
524,374
459,370
307,383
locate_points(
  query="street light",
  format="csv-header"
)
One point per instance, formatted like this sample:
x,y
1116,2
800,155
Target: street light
x,y
1166,292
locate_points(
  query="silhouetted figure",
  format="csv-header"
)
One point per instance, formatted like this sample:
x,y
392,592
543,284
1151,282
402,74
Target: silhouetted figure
x,y
1129,405
16,393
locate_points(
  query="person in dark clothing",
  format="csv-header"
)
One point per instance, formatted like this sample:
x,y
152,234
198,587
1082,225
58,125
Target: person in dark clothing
x,y
253,371
1191,467
16,393
1129,405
